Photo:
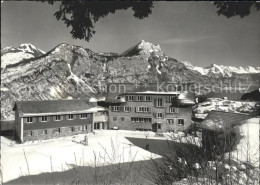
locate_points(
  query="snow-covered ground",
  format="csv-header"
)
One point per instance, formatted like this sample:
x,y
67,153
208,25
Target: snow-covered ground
x,y
202,109
247,149
62,153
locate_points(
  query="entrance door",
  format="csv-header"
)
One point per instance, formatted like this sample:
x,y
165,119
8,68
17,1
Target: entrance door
x,y
156,127
96,126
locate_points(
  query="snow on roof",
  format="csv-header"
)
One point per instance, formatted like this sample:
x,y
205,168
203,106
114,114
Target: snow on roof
x,y
155,92
51,107
220,120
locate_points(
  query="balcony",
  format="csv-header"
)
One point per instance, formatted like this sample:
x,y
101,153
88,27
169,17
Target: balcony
x,y
100,118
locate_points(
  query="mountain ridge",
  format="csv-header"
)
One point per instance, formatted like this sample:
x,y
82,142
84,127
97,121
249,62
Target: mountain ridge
x,y
69,71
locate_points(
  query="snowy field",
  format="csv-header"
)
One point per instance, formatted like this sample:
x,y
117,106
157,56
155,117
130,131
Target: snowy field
x,y
61,154
247,149
105,148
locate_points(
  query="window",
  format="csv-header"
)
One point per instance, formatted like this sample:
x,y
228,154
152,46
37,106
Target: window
x,y
29,120
145,120
159,126
172,98
127,109
57,118
103,113
114,118
181,122
85,127
57,130
70,116
130,98
44,118
139,98
41,132
115,108
28,133
147,98
159,115
84,115
122,118
159,102
173,110
46,132
71,129
79,128
170,121
142,109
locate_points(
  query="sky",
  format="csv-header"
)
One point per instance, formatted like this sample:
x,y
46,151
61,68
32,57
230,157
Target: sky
x,y
186,31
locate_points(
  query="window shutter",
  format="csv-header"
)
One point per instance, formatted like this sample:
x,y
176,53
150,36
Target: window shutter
x,y
34,119
177,110
136,109
126,98
61,117
122,108
163,114
149,109
154,102
48,118
167,109
154,115
163,102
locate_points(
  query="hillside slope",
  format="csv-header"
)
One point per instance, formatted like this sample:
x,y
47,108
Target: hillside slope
x,y
69,71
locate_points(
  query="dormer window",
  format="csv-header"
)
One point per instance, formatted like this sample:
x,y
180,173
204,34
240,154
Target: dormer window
x,y
29,120
44,118
57,118
70,116
83,116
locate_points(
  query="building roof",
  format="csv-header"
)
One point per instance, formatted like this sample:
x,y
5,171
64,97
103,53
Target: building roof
x,y
114,90
220,120
52,107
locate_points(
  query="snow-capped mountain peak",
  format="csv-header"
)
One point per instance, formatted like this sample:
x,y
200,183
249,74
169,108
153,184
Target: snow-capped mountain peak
x,y
144,49
225,71
12,55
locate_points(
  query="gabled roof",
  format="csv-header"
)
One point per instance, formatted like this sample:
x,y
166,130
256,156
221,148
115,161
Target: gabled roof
x,y
52,107
116,89
220,120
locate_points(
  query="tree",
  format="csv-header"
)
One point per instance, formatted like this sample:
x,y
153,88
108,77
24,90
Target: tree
x,y
230,9
82,15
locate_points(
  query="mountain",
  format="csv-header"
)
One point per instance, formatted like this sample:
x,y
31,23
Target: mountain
x,y
144,49
69,71
224,71
12,55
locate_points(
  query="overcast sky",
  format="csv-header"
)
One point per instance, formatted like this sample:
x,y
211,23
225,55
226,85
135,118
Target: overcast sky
x,y
186,31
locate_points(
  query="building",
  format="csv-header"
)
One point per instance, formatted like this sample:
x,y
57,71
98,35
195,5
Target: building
x,y
37,120
149,108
